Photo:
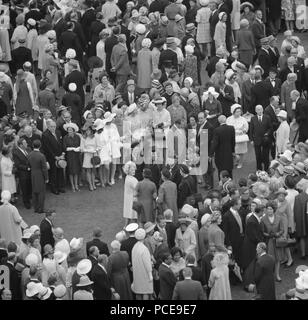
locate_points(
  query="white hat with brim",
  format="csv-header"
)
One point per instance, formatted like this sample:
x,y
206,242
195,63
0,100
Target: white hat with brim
x,y
59,256
161,100
282,114
76,243
149,226
189,211
31,259
71,125
205,218
132,108
132,227
34,228
212,91
140,234
26,234
84,282
32,289
86,113
246,4
45,293
84,266
99,124
109,116
302,280
259,68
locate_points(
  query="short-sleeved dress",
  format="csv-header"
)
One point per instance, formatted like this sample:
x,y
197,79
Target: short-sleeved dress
x,y
203,30
72,157
88,146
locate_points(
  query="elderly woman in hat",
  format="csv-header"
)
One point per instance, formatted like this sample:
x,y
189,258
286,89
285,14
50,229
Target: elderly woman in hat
x,y
240,125
103,91
71,143
287,87
221,31
231,80
273,229
296,43
203,235
144,65
247,13
211,106
84,289
51,62
215,234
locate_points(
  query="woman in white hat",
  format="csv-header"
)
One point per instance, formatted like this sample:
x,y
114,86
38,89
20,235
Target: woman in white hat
x,y
84,289
231,80
71,143
282,133
221,31
31,40
144,65
103,91
241,127
247,12
129,192
211,106
89,148
203,36
42,41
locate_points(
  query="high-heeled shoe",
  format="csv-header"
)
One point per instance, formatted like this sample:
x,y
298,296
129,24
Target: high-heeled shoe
x,y
278,280
289,265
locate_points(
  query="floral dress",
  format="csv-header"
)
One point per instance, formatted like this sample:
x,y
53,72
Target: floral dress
x,y
190,68
288,9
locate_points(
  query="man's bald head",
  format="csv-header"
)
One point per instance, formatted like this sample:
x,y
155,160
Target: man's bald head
x,y
222,119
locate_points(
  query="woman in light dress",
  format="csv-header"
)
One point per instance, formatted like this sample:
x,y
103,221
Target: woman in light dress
x,y
236,18
129,192
7,164
32,40
282,133
203,30
240,125
4,34
219,278
221,31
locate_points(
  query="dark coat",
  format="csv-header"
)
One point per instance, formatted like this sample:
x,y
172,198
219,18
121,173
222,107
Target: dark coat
x,y
158,5
210,129
69,39
79,78
223,146
168,57
272,115
260,94
253,235
188,290
211,67
246,95
258,30
167,281
258,130
233,237
96,27
170,231
39,172
276,90
22,164
283,75
87,18
300,215
51,146
102,246
227,7
46,234
60,27
109,44
187,188
19,56
275,55
73,101
14,282
264,277
127,245
213,21
101,285
265,62
301,116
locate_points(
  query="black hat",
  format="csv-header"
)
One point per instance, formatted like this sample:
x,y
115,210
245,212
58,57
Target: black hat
x,y
184,168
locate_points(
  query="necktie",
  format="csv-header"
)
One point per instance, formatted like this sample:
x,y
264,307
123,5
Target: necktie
x,y
260,119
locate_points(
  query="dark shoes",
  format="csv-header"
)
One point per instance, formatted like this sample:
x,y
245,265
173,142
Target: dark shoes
x,y
62,191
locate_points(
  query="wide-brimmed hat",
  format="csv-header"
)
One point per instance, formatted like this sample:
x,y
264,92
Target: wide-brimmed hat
x,y
61,163
86,113
84,266
286,158
108,117
149,226
84,281
71,125
281,191
160,100
301,147
247,4
44,292
261,189
238,66
185,220
157,236
234,107
26,234
205,218
170,40
32,289
264,41
282,114
140,28
288,170
189,211
190,27
300,167
212,91
140,234
61,108
132,108
132,227
31,259
76,243
60,291
259,68
229,74
59,256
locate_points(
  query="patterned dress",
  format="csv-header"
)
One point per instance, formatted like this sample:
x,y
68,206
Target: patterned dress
x,y
190,68
203,30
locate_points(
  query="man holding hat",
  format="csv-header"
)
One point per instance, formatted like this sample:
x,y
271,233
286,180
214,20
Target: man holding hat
x,y
20,55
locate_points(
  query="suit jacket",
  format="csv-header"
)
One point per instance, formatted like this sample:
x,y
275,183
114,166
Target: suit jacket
x,y
188,290
223,146
126,99
39,172
170,231
258,30
246,95
167,281
87,18
301,116
213,21
168,57
196,274
51,146
265,62
260,94
187,188
275,55
276,90
206,126
101,285
22,164
264,277
127,245
14,282
102,246
19,56
211,67
272,115
109,44
46,234
258,130
60,27
79,78
69,39
119,60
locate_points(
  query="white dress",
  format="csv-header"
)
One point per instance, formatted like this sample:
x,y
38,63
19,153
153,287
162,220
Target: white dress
x,y
282,137
8,178
241,127
129,192
236,15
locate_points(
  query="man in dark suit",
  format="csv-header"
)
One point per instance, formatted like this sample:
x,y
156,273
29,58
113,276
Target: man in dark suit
x,y
246,92
260,134
258,30
167,279
87,18
60,23
211,66
110,42
130,95
292,68
264,274
188,289
271,112
170,228
227,7
20,157
97,242
20,55
14,280
204,125
213,22
128,244
46,227
260,92
30,137
39,176
69,39
274,16
233,229
93,257
273,51
187,186
34,12
196,270
223,146
53,149
264,57
273,82
168,58
301,115
101,285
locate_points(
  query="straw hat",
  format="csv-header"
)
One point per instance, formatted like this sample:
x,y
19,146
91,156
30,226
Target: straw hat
x,y
189,211
84,266
84,281
247,4
71,125
149,226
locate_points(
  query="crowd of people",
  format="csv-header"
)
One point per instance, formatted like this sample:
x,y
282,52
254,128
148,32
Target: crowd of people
x,y
91,91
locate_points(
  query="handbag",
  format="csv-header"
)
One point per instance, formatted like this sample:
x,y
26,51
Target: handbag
x,y
241,138
95,160
281,242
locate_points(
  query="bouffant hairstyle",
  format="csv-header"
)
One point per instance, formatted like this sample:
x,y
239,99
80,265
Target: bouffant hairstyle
x,y
271,204
176,250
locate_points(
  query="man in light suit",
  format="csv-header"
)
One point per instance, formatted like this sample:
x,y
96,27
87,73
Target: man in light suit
x,y
167,279
188,289
120,63
46,227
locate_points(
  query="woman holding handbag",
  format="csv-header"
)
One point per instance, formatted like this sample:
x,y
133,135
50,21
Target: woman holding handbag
x,y
89,146
240,125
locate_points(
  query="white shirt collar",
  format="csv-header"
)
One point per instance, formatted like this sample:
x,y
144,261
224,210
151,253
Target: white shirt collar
x,y
259,219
